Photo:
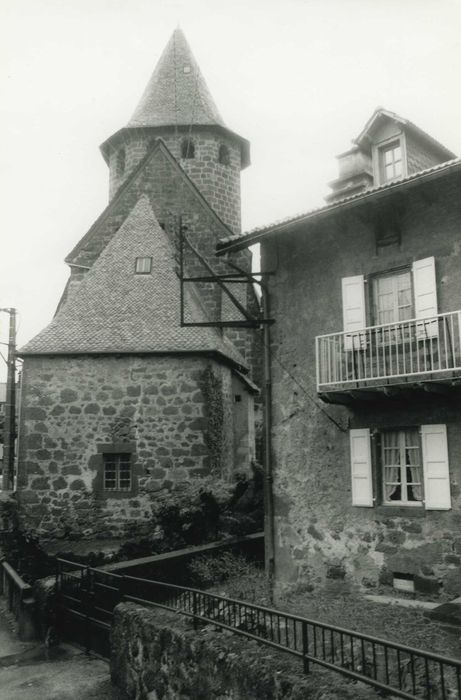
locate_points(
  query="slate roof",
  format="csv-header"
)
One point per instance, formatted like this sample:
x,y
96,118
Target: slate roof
x,y
176,96
116,311
177,92
254,235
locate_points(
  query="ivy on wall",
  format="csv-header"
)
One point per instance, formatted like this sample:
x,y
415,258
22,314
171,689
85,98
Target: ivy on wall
x,y
213,395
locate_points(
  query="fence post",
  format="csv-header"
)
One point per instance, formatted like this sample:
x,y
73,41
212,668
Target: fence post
x,y
86,607
194,609
122,589
305,646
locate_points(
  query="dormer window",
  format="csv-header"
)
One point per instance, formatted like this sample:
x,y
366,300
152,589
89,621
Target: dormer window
x,y
187,148
391,164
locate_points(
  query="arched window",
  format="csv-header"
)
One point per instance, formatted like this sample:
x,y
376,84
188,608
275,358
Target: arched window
x,y
187,148
121,158
224,155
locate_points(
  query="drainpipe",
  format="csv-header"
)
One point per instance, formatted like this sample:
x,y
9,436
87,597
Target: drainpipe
x,y
269,536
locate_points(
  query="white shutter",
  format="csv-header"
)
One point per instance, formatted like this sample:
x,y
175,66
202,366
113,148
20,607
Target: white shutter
x,y
436,470
425,289
354,318
361,472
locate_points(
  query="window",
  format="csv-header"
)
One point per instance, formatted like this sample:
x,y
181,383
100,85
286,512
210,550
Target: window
x,y
391,164
143,266
392,297
120,166
402,468
187,148
117,472
224,155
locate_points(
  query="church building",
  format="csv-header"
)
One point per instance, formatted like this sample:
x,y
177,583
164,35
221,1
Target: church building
x,y
138,383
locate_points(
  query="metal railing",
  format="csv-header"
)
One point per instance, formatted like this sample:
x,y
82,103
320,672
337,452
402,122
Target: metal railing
x,y
403,349
398,669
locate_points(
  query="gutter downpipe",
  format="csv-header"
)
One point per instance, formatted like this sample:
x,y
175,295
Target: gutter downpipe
x,y
267,456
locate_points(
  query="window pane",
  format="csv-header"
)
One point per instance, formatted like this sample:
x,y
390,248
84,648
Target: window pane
x,y
117,472
143,265
398,168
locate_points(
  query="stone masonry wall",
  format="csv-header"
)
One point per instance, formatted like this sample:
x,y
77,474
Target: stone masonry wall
x,y
170,198
320,536
75,408
218,183
157,655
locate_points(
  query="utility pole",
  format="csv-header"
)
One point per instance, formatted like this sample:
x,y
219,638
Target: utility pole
x,y
10,406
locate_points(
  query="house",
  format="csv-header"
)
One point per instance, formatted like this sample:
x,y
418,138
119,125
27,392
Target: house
x,y
366,370
123,395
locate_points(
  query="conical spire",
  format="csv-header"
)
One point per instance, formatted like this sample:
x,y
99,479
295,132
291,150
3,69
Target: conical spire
x,y
176,93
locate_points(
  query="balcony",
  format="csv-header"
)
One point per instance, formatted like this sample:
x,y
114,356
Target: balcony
x,y
390,359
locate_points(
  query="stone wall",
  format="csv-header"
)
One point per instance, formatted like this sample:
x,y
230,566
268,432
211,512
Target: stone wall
x,y
74,409
155,655
320,536
219,183
172,198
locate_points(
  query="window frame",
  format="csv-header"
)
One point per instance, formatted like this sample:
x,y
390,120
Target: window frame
x,y
372,301
143,272
97,463
116,457
379,148
380,467
390,148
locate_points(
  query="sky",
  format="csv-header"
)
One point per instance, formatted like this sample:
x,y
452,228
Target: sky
x,y
298,78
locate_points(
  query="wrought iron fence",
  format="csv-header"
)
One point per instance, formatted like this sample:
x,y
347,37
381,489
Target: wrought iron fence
x,y
402,349
398,669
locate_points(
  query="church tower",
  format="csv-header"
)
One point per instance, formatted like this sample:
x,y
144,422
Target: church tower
x,y
132,388
178,108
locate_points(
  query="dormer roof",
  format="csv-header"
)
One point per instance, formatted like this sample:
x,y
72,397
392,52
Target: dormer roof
x,y
365,137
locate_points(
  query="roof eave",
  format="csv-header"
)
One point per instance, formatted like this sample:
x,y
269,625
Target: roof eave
x,y
113,141
317,214
228,359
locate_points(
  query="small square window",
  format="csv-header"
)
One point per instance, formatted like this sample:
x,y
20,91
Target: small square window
x,y
143,266
186,69
117,472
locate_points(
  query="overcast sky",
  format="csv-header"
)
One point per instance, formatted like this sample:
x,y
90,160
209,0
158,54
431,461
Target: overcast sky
x,y
298,78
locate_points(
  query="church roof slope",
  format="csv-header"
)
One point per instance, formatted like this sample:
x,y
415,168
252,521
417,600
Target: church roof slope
x,y
117,311
177,92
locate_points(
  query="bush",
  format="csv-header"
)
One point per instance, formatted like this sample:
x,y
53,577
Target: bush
x,y
231,575
207,509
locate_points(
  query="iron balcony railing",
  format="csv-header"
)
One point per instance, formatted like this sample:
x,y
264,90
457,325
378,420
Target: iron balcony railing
x,y
403,349
90,595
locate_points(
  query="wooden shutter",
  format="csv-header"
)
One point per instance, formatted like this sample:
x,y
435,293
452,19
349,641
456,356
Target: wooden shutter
x,y
425,290
354,317
361,471
436,470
